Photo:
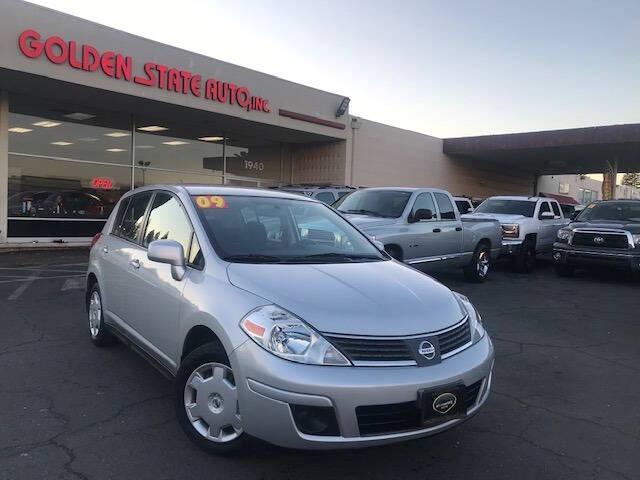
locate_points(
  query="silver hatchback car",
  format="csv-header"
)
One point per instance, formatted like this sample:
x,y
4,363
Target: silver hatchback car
x,y
280,320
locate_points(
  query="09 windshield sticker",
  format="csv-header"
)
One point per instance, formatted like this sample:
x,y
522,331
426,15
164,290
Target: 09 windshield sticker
x,y
211,201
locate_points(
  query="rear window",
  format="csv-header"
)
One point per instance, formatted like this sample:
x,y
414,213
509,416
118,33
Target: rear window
x,y
525,208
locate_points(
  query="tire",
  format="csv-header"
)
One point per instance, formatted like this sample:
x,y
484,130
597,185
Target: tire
x,y
479,267
525,260
205,387
564,270
98,330
394,251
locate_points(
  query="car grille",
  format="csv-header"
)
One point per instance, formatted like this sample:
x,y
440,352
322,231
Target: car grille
x,y
368,349
609,240
401,417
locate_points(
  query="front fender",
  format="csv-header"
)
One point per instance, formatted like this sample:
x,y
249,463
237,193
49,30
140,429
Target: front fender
x,y
217,305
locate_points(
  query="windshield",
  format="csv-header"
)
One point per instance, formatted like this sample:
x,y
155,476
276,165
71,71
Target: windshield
x,y
377,203
278,230
615,211
511,207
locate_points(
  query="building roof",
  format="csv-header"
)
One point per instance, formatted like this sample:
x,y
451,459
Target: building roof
x,y
555,152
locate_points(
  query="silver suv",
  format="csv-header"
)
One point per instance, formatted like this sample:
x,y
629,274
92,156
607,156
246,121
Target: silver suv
x,y
280,320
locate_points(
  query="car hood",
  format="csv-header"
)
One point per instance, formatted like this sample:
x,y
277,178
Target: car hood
x,y
501,217
632,227
365,222
370,298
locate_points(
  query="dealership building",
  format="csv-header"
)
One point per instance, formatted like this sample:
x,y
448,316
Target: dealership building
x,y
88,112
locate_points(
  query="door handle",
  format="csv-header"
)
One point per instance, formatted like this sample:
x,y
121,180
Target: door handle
x,y
436,230
458,229
135,264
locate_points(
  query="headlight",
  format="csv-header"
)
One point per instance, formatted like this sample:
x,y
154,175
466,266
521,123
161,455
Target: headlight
x,y
636,239
510,230
285,335
475,320
565,234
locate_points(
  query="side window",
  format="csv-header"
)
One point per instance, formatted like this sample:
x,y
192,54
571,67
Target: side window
x,y
133,217
556,209
424,201
168,221
447,212
544,207
117,222
195,257
325,197
343,193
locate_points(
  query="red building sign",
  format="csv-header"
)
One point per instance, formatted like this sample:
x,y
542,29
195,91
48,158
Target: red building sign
x,y
122,67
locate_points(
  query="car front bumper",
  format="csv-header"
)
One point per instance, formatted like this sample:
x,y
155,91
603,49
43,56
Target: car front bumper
x,y
511,246
564,254
268,386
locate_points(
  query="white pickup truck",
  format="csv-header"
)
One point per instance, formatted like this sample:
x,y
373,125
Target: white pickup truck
x,y
529,226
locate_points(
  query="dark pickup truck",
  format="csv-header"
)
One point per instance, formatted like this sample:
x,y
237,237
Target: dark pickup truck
x,y
606,233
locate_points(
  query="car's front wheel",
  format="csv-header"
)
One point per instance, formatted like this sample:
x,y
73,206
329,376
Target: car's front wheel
x,y
207,401
100,335
525,259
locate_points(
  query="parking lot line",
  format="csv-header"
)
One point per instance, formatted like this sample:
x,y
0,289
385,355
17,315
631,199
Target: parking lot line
x,y
21,288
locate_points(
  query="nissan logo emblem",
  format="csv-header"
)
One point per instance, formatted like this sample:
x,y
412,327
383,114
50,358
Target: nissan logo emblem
x,y
598,240
427,350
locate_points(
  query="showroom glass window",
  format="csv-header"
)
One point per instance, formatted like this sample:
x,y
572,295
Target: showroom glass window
x,y
68,167
177,152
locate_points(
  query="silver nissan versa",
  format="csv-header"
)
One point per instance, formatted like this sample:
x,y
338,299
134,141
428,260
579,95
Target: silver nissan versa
x,y
280,320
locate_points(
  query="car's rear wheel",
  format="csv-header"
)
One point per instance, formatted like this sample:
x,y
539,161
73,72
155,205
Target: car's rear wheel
x,y
207,401
99,332
525,260
478,268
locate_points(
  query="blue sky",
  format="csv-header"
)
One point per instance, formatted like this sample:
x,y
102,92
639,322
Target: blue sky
x,y
438,67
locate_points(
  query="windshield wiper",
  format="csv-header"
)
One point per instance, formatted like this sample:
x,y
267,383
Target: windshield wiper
x,y
253,258
362,211
331,256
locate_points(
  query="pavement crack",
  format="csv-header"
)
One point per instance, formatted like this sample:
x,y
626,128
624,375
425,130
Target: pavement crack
x,y
564,415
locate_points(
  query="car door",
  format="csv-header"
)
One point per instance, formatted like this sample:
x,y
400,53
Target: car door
x,y
449,238
547,232
422,234
154,297
116,253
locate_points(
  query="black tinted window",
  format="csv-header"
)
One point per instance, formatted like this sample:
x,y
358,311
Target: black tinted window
x,y
512,207
544,207
463,206
447,211
167,221
377,203
556,209
325,197
424,201
119,215
133,217
618,211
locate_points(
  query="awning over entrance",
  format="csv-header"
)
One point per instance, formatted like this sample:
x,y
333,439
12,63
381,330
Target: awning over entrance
x,y
555,152
562,199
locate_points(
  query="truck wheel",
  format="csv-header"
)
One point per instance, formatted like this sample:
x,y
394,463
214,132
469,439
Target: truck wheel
x,y
525,260
478,268
206,401
565,270
394,251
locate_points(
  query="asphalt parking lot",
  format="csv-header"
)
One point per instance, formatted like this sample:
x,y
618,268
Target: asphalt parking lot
x,y
565,401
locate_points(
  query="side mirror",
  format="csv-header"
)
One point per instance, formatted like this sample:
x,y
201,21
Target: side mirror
x,y
171,252
470,210
546,216
379,245
422,214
